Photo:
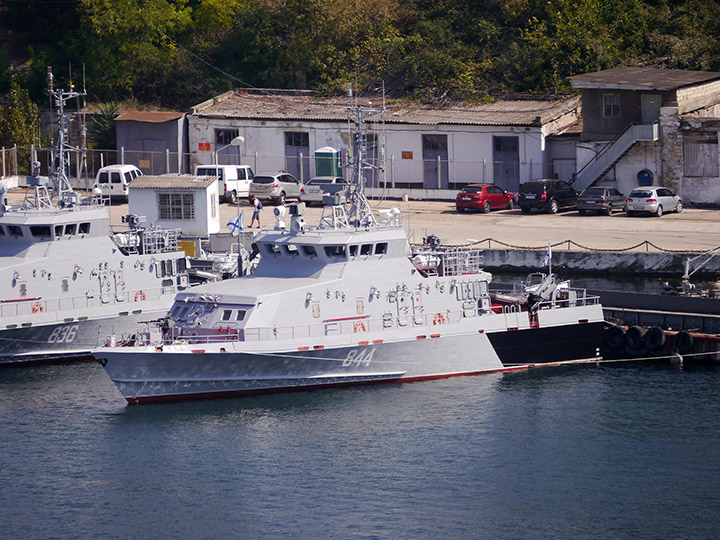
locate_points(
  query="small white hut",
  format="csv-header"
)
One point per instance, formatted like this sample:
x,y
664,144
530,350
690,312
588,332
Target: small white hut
x,y
181,201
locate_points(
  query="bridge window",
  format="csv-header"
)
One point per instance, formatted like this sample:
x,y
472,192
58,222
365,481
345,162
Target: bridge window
x,y
84,228
15,231
353,251
227,313
291,249
272,249
309,251
366,249
41,231
335,252
58,231
70,228
381,248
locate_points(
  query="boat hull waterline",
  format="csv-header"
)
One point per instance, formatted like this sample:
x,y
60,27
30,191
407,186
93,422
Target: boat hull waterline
x,y
149,376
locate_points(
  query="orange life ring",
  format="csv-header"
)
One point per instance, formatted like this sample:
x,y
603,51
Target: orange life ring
x,y
438,319
37,306
140,295
360,327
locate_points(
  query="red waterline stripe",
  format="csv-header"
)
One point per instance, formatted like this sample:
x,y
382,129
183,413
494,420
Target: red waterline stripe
x,y
347,318
21,299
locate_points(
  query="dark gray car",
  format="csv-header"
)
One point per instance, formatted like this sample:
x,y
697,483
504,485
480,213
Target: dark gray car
x,y
549,195
601,199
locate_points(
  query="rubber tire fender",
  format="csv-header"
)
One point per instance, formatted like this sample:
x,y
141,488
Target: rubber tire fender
x,y
614,338
634,337
654,338
683,342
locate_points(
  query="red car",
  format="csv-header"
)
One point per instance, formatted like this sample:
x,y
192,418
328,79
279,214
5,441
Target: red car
x,y
483,197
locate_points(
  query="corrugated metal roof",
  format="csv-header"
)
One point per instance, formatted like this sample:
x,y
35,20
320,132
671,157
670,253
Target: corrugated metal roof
x,y
154,117
523,111
173,181
642,78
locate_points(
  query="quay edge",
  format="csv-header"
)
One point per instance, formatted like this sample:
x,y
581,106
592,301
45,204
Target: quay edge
x,y
588,263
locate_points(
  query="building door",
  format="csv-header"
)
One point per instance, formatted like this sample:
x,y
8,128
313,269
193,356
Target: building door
x,y
297,154
435,161
506,162
650,107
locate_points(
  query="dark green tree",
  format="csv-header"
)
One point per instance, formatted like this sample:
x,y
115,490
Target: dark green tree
x,y
19,122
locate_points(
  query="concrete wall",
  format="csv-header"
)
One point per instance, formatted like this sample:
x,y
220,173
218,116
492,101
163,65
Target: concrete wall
x,y
470,148
698,96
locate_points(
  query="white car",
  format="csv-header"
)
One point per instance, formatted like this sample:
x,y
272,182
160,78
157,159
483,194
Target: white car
x,y
313,191
653,200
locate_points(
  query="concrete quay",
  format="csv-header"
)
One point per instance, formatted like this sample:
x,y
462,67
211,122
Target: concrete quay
x,y
593,244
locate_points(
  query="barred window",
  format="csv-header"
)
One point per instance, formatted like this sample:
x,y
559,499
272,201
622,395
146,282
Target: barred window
x,y
176,206
225,136
611,106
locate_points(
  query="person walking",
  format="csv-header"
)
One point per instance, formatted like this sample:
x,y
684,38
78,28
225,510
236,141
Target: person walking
x,y
256,212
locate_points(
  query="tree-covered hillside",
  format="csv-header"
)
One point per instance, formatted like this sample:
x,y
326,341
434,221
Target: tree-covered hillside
x,y
174,53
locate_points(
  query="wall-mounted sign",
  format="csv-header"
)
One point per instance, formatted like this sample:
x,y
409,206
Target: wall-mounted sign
x,y
204,146
407,155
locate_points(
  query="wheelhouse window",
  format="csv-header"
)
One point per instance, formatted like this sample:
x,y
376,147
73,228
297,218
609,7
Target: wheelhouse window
x,y
366,249
272,249
309,251
611,106
70,229
240,315
2,231
40,231
176,206
84,228
15,231
227,313
58,231
381,248
353,251
291,249
335,252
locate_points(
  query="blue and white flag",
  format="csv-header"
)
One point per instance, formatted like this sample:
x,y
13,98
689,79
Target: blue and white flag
x,y
236,225
548,255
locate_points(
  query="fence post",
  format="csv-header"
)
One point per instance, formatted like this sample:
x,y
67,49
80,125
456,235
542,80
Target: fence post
x,y
167,160
392,171
439,172
302,169
484,164
15,159
3,160
122,155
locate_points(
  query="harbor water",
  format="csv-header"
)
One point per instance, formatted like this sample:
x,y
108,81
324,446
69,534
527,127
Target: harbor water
x,y
585,452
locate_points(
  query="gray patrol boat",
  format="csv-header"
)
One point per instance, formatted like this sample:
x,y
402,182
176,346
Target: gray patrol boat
x,y
348,302
67,284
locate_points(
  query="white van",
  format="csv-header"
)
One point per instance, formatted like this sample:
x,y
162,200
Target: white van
x,y
113,180
233,180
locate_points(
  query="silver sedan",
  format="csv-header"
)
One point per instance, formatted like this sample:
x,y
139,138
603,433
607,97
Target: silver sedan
x,y
653,200
313,191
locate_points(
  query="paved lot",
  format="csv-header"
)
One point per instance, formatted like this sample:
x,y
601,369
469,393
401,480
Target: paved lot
x,y
691,230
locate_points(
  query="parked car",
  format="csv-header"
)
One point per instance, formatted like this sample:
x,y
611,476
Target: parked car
x,y
114,180
233,180
653,200
275,187
483,197
313,192
601,199
549,195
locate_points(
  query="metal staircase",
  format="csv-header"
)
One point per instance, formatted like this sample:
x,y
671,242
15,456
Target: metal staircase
x,y
596,168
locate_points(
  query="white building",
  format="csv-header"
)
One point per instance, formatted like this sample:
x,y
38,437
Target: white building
x,y
426,148
180,201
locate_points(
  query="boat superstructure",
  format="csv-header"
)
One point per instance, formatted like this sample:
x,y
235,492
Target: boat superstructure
x,y
67,283
345,302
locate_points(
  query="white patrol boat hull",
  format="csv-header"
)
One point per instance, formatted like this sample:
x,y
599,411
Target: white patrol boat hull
x,y
151,376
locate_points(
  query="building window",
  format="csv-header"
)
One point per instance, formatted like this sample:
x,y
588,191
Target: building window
x,y
297,138
611,106
224,136
176,206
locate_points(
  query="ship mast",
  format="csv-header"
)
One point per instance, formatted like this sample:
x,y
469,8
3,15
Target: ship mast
x,y
60,153
360,212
